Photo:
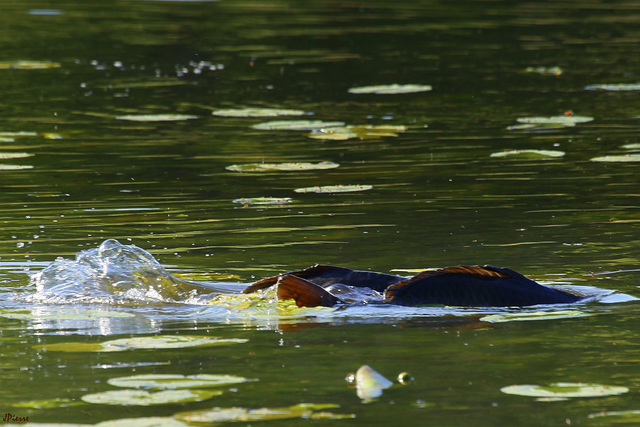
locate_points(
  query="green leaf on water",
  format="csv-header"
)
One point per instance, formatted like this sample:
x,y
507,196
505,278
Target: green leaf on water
x,y
628,417
564,389
156,117
48,403
296,125
362,131
28,65
281,167
618,158
535,154
256,112
549,122
146,398
263,200
141,343
14,155
634,146
614,87
238,414
175,381
328,189
537,315
14,167
392,89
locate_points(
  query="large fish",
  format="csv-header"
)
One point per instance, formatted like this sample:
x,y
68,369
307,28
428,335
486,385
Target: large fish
x,y
476,286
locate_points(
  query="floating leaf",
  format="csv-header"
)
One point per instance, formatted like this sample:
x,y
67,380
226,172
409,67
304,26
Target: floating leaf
x,y
631,146
568,120
335,188
281,167
529,153
390,89
256,112
156,117
48,403
263,200
618,158
28,65
219,415
14,155
17,134
143,422
138,343
146,398
296,125
175,381
537,315
370,383
564,389
363,132
14,167
615,87
631,416
60,313
552,71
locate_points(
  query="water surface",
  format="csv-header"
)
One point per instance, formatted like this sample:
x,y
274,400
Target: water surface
x,y
75,173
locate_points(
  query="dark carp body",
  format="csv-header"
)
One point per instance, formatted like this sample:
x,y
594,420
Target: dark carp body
x,y
477,286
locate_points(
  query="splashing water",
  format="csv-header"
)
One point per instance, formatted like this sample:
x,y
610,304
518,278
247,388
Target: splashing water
x,y
113,273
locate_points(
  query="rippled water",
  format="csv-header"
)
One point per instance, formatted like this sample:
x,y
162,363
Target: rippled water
x,y
76,171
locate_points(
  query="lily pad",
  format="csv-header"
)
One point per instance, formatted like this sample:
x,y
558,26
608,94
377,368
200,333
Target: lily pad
x,y
256,112
281,167
15,155
143,422
564,389
549,122
634,146
618,158
14,167
328,189
363,132
393,89
146,398
529,153
370,383
28,65
627,417
296,125
142,343
263,200
156,117
614,87
59,313
537,315
549,71
219,415
175,381
48,403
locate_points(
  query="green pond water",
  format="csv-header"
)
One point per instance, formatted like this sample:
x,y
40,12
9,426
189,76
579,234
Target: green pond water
x,y
519,148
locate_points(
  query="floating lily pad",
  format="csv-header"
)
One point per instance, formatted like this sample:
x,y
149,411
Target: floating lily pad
x,y
335,189
363,132
263,200
175,381
256,112
60,313
48,403
614,87
143,422
296,125
281,167
17,134
146,398
142,343
550,71
14,167
529,153
549,122
28,65
618,158
537,315
390,89
370,383
631,146
14,155
156,117
564,389
631,416
218,415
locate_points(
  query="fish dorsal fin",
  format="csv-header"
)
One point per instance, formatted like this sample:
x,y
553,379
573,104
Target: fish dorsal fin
x,y
485,271
305,293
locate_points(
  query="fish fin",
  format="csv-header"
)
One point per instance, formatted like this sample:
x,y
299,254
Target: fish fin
x,y
261,284
305,293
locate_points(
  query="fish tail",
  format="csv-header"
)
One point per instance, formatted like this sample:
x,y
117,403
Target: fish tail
x,y
305,293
